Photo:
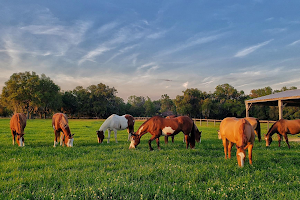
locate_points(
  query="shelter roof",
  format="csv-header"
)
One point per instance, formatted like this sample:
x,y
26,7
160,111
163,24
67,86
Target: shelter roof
x,y
289,98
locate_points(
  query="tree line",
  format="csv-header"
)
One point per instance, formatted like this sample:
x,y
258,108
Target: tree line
x,y
39,96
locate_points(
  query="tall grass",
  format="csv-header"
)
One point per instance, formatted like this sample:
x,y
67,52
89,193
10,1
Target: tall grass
x,y
111,171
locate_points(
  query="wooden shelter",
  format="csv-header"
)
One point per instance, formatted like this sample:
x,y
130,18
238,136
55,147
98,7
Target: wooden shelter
x,y
281,99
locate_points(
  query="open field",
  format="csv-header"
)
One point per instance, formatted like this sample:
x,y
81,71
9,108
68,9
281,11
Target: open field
x,y
111,171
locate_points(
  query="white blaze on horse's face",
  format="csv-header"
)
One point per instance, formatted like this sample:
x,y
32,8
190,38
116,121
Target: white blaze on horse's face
x,y
70,142
167,131
132,146
242,158
21,142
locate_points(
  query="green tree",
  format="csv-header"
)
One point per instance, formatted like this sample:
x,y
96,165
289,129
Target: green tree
x,y
47,97
167,104
137,105
19,92
149,108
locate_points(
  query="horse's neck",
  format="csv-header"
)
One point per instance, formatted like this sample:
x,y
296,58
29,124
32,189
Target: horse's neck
x,y
273,130
66,130
105,125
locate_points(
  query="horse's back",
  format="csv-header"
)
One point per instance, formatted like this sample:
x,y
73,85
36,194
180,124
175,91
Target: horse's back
x,y
18,122
58,119
252,121
288,126
231,128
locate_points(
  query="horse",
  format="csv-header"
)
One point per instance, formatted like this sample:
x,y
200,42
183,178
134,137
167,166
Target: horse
x,y
254,123
114,123
256,126
283,127
239,132
172,136
158,126
60,124
17,126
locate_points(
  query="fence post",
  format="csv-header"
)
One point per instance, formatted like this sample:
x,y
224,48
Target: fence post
x,y
214,122
200,122
206,122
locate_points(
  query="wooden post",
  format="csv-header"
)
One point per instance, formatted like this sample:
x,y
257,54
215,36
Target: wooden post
x,y
200,122
206,122
280,106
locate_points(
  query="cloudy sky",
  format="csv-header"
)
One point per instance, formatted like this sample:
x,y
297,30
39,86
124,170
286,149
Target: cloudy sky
x,y
151,48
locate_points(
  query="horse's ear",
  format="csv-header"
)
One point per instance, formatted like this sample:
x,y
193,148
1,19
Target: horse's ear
x,y
73,135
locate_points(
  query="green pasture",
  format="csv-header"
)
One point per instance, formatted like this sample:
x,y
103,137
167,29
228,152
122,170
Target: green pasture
x,y
111,171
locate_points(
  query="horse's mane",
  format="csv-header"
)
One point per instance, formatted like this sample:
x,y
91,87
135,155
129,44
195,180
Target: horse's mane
x,y
244,140
147,121
271,129
18,127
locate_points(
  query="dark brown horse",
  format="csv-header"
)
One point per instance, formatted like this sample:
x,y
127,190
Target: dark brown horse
x,y
17,126
283,127
60,124
239,132
158,126
172,136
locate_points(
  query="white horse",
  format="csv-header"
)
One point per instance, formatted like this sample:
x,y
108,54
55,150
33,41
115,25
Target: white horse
x,y
114,123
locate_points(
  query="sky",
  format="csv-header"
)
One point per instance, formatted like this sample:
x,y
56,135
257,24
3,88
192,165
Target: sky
x,y
151,48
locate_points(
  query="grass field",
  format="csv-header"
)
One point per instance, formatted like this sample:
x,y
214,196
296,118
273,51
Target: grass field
x,y
111,171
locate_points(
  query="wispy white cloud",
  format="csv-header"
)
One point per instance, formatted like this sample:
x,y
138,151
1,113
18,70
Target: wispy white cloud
x,y
251,49
121,51
96,52
294,43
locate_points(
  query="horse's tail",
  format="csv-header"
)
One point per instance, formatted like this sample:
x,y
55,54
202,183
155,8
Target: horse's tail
x,y
192,136
258,130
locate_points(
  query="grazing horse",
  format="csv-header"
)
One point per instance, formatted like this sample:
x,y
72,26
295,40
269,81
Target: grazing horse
x,y
239,132
254,123
17,125
114,123
60,124
158,126
283,127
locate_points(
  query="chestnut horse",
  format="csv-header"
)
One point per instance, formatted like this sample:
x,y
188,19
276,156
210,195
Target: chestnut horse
x,y
17,125
60,124
172,136
114,123
240,132
158,126
283,127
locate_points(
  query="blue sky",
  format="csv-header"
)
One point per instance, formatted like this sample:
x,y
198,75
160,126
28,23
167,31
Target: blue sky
x,y
151,48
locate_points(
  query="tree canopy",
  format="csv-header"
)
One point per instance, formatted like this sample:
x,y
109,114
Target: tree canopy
x,y
39,95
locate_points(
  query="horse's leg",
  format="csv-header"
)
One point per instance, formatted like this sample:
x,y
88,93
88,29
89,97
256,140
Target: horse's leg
x,y
157,142
56,136
286,139
186,137
166,140
230,144
13,137
172,138
115,132
279,139
225,144
151,139
250,147
108,135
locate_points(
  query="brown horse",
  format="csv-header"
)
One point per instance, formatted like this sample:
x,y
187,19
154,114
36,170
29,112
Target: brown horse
x,y
17,125
239,132
283,127
114,123
60,124
158,126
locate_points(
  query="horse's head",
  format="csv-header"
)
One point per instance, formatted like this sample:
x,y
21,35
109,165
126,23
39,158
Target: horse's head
x,y
69,140
100,136
268,139
135,140
197,134
20,139
240,154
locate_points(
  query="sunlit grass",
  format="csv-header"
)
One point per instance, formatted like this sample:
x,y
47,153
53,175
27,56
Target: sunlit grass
x,y
100,171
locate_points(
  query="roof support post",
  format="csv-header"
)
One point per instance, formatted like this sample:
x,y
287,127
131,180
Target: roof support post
x,y
247,110
280,106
